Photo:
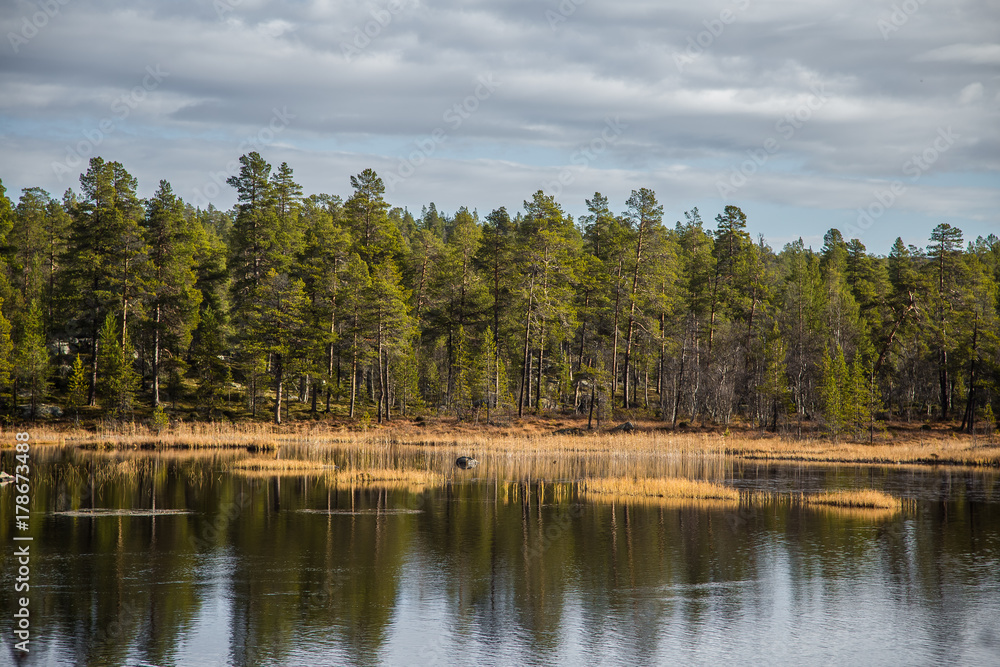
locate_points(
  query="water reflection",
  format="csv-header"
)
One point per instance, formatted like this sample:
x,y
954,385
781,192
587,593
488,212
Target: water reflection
x,y
481,571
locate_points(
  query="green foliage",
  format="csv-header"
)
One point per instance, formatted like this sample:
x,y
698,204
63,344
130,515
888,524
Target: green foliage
x,y
851,397
159,421
209,360
774,388
6,350
117,378
76,394
453,312
31,359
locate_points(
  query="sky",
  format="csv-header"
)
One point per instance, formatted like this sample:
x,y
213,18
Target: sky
x,y
880,118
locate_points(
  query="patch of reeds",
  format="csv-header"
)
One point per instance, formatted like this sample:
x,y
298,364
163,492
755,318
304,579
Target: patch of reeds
x,y
528,438
369,476
671,488
914,450
855,499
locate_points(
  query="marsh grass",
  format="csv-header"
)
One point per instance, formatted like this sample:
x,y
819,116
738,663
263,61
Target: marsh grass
x,y
855,499
673,490
654,466
957,450
917,447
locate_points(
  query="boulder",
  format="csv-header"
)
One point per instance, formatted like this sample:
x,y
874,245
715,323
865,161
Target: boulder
x,y
466,462
625,427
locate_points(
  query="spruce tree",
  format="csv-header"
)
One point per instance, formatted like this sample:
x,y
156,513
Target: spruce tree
x,y
76,393
118,379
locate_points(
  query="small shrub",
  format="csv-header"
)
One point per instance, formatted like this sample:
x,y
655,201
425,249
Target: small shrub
x,y
159,422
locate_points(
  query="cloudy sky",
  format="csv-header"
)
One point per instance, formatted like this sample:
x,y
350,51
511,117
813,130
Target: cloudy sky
x,y
876,117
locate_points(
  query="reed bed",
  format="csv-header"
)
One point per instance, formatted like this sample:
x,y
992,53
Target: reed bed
x,y
677,488
930,451
385,477
856,499
917,448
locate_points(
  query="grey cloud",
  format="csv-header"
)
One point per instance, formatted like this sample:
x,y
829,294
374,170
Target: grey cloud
x,y
230,68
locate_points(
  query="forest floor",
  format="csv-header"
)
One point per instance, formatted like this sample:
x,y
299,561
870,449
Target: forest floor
x,y
895,444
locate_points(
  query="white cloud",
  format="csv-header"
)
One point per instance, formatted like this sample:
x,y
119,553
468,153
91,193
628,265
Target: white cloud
x,y
971,93
975,54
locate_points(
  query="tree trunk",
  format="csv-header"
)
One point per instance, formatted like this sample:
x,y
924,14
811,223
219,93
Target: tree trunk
x,y
95,347
386,389
278,382
525,379
354,374
969,419
156,357
614,344
538,383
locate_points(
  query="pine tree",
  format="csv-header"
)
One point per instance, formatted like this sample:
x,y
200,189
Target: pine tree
x,y
392,327
376,239
548,244
946,267
281,330
104,255
645,216
27,239
356,285
172,300
324,254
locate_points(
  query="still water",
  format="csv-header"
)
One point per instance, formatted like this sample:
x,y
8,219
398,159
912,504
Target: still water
x,y
300,571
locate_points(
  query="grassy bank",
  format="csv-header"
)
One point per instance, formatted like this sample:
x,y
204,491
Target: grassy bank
x,y
540,437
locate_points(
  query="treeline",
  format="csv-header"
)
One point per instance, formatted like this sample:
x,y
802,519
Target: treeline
x,y
361,309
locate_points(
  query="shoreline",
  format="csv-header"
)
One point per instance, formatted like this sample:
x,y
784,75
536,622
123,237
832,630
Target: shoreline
x,y
897,447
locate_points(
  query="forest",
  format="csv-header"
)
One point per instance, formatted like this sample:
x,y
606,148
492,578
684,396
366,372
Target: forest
x,y
126,308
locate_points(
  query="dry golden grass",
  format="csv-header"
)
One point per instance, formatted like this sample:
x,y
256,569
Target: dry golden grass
x,y
258,467
915,449
856,499
536,436
675,488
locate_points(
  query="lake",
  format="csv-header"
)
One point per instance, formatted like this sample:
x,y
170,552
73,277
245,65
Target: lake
x,y
211,567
